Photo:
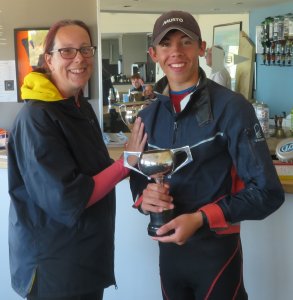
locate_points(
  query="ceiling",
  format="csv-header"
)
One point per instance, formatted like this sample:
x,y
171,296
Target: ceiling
x,y
193,6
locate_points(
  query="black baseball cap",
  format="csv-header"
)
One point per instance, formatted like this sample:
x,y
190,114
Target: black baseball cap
x,y
178,20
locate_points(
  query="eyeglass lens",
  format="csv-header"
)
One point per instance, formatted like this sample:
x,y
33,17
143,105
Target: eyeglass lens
x,y
72,52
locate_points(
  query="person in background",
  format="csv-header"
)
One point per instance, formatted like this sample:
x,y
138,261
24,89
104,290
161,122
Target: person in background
x,y
148,93
215,58
61,178
231,179
137,83
135,92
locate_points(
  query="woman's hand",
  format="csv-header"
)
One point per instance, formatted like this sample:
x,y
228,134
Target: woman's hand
x,y
136,141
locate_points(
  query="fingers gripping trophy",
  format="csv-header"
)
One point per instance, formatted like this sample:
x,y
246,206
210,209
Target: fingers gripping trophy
x,y
158,164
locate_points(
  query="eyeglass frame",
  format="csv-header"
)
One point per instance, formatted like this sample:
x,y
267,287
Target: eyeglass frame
x,y
93,48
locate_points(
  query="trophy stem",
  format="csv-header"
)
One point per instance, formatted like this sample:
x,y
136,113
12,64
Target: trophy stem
x,y
159,180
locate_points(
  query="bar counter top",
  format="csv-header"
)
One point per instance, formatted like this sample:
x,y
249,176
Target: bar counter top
x,y
116,152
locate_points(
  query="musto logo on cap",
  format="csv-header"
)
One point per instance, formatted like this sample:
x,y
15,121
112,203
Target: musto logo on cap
x,y
172,20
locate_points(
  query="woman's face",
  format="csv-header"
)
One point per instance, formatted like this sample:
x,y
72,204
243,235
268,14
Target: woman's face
x,y
70,75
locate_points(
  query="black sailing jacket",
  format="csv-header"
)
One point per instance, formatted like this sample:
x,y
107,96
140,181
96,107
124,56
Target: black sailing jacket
x,y
222,130
54,150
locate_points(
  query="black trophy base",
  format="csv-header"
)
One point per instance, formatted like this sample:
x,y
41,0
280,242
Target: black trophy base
x,y
159,219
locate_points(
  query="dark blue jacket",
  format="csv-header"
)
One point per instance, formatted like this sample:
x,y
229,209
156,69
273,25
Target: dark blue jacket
x,y
54,150
221,128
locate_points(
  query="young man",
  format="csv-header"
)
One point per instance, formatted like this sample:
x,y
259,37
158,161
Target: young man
x,y
202,259
136,91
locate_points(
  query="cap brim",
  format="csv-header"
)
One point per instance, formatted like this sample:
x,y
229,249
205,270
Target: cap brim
x,y
191,34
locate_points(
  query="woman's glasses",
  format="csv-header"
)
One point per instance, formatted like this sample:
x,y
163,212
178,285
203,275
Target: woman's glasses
x,y
69,53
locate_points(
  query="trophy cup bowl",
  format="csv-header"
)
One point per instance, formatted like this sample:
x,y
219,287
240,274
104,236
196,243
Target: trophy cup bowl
x,y
129,114
158,164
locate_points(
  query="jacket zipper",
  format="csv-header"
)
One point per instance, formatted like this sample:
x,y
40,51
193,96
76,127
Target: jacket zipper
x,y
175,127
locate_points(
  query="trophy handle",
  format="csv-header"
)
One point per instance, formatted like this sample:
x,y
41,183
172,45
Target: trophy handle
x,y
126,164
122,109
188,159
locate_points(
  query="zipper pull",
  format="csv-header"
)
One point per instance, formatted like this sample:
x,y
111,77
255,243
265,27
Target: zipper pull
x,y
174,131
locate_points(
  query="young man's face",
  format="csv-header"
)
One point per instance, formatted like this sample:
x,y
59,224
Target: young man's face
x,y
178,56
136,82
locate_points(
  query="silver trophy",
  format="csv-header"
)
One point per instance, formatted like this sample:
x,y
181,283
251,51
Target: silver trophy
x,y
159,164
129,114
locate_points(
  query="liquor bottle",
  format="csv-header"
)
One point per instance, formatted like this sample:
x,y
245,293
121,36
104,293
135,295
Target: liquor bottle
x,y
270,36
273,54
111,98
288,53
263,113
276,28
288,26
280,28
263,41
117,96
278,54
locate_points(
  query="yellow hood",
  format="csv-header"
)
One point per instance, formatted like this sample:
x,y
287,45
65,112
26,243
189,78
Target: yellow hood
x,y
37,86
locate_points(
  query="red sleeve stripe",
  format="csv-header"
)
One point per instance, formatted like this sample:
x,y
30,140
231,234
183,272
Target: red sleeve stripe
x,y
215,216
137,202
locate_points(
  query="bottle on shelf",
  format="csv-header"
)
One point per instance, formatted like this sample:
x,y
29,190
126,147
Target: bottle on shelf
x,y
277,40
288,26
111,98
263,114
273,54
263,41
117,96
278,54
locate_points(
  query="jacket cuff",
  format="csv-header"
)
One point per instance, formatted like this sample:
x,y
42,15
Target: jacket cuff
x,y
216,220
137,205
215,216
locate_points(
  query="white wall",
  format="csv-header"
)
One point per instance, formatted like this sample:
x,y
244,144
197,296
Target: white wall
x,y
6,291
35,13
267,250
136,254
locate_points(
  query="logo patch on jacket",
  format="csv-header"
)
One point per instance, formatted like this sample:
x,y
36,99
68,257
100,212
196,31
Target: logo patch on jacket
x,y
259,137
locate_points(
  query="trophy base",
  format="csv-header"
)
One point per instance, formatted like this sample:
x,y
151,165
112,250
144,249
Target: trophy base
x,y
152,231
159,219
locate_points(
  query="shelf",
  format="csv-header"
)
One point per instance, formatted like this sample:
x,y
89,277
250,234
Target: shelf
x,y
276,65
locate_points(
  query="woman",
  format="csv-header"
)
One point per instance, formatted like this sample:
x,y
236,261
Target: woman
x,y
61,178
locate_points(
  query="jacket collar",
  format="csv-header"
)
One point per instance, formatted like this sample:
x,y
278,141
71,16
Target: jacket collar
x,y
199,102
